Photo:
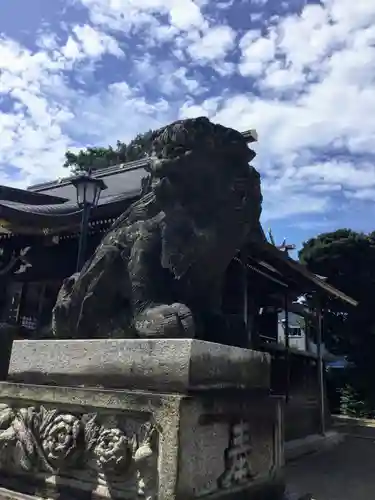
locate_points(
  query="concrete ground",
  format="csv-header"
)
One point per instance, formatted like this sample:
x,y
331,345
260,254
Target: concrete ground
x,y
345,472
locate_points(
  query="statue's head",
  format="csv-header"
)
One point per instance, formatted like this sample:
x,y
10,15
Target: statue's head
x,y
208,192
204,167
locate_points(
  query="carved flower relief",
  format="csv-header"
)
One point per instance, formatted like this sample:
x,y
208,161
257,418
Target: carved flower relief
x,y
113,451
62,440
47,440
17,446
39,439
146,458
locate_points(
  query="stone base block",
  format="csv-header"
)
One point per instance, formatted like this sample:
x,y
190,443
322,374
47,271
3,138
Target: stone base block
x,y
80,443
166,365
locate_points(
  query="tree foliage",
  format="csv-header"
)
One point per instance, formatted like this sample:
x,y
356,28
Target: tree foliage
x,y
353,405
347,259
100,157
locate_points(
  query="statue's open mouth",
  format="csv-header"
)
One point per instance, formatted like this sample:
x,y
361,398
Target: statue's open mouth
x,y
172,151
168,166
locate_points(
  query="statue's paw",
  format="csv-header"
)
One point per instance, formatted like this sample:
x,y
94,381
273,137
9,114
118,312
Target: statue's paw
x,y
171,321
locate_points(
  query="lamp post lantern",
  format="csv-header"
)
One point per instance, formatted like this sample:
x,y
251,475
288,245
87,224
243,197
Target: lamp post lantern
x,y
88,194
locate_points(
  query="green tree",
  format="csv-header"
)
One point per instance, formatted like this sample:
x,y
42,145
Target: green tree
x,y
347,259
100,157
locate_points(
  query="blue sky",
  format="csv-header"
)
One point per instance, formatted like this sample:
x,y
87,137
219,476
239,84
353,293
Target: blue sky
x,y
75,73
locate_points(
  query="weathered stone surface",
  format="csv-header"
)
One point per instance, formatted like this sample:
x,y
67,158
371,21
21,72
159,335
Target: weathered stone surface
x,y
37,439
161,364
75,449
101,444
7,334
159,271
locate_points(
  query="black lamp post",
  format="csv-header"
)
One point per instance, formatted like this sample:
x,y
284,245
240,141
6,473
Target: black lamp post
x,y
88,194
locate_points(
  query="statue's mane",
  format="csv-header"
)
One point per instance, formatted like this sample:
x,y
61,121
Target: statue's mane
x,y
197,134
169,142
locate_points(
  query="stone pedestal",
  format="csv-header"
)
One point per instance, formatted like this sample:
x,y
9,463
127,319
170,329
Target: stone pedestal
x,y
192,420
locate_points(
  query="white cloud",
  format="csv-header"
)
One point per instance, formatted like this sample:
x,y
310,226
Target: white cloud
x,y
350,15
118,112
94,43
184,14
322,57
344,173
306,83
42,108
86,42
168,77
187,26
32,126
47,41
256,53
256,16
208,108
214,44
125,14
292,135
280,205
363,194
278,78
226,4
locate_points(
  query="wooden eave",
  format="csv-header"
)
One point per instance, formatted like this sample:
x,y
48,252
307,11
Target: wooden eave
x,y
292,270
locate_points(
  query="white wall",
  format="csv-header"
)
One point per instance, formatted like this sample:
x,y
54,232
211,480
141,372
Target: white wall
x,y
296,323
297,342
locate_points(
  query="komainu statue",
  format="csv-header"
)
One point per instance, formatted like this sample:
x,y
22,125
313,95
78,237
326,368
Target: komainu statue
x,y
159,270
